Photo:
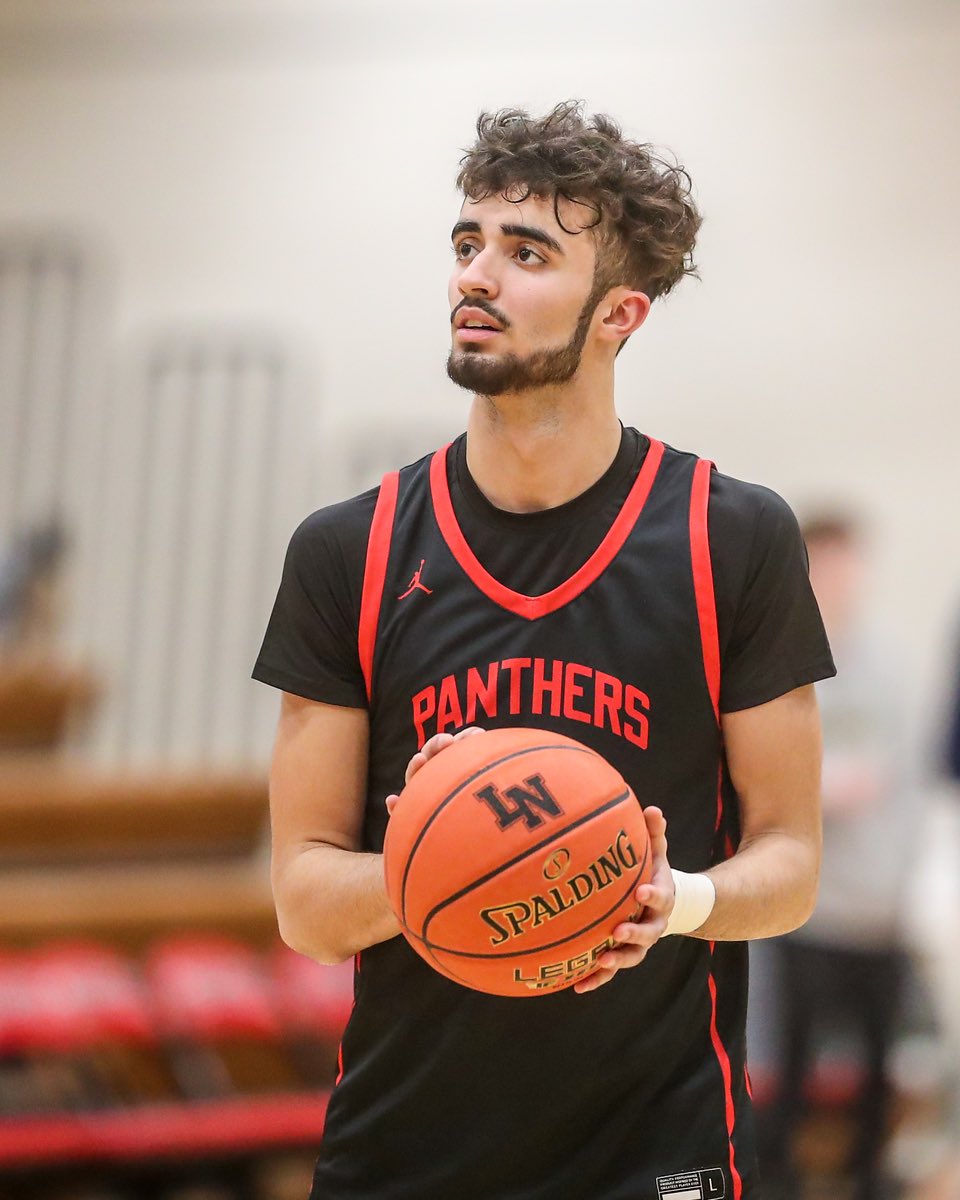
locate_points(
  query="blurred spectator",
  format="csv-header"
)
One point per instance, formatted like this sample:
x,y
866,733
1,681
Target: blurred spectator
x,y
935,934
43,696
847,965
29,569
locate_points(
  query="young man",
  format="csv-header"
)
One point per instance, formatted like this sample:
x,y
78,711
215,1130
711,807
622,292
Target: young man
x,y
551,568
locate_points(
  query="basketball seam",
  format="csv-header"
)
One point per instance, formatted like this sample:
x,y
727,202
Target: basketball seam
x,y
595,812
457,790
431,946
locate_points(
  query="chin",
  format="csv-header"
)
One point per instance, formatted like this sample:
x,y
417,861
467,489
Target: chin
x,y
477,372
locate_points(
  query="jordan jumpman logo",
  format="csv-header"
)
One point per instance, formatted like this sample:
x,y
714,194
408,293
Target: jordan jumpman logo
x,y
415,583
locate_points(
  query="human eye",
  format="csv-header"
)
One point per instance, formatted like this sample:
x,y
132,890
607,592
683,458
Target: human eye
x,y
462,250
528,256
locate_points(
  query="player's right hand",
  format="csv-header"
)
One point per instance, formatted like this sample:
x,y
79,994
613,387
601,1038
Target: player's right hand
x,y
439,741
634,938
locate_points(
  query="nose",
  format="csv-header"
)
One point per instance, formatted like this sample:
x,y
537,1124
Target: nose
x,y
477,277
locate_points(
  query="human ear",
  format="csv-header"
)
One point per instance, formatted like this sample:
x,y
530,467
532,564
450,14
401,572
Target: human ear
x,y
627,312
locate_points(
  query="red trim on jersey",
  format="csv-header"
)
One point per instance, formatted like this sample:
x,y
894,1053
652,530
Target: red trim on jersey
x,y
703,580
724,1060
706,599
356,962
710,643
532,607
375,572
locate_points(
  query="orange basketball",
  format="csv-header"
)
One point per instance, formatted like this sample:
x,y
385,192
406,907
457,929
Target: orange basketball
x,y
510,858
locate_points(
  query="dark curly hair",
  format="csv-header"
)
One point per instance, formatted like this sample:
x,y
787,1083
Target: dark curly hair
x,y
645,220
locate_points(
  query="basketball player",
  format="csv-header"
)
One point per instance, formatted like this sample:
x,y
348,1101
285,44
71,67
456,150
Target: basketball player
x,y
552,569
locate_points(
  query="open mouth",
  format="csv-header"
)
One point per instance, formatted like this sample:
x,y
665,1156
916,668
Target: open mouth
x,y
472,323
476,333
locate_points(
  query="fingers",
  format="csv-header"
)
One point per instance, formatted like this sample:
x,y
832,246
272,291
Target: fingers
x,y
611,961
657,829
468,732
635,938
657,896
422,756
413,766
438,742
391,803
657,899
433,746
592,982
430,748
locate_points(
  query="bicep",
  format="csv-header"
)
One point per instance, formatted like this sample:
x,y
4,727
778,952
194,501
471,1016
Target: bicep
x,y
773,754
318,777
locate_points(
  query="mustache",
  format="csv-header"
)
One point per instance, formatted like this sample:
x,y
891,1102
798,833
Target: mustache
x,y
484,306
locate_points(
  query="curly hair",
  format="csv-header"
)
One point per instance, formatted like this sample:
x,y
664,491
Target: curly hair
x,y
645,220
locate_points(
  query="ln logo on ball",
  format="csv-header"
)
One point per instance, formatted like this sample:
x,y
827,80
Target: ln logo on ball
x,y
517,803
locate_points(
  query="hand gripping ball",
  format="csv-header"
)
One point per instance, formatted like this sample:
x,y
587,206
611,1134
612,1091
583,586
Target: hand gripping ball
x,y
510,858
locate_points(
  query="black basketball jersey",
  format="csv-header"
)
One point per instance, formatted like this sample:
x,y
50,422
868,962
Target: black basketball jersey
x,y
637,1091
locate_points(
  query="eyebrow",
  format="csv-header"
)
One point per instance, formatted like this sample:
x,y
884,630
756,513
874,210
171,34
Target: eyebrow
x,y
530,233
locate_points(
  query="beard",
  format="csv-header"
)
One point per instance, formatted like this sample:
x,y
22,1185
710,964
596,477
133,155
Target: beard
x,y
492,376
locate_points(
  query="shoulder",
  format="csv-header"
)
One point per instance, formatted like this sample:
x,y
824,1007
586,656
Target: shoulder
x,y
742,515
341,524
749,516
771,636
756,547
327,552
337,535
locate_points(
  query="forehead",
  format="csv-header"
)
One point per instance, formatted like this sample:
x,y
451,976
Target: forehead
x,y
572,231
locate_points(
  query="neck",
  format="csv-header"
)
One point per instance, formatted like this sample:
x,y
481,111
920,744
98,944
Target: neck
x,y
533,450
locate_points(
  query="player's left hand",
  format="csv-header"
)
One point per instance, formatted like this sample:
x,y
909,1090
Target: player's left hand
x,y
439,741
657,898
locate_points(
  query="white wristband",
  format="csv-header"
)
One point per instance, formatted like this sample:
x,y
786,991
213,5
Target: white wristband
x,y
694,901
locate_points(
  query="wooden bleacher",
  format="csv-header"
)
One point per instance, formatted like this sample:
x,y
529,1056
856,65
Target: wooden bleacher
x,y
126,857
118,856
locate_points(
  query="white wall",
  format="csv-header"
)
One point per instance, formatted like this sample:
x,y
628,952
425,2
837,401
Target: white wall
x,y
291,165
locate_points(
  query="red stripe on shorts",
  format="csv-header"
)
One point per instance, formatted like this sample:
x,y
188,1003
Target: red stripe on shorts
x,y
724,1060
356,967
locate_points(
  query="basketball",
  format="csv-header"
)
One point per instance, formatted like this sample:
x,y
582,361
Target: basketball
x,y
510,858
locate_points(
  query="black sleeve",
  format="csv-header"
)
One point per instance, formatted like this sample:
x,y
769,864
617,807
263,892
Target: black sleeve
x,y
771,635
310,646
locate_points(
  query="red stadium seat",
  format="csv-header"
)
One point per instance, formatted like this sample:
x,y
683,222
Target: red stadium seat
x,y
83,994
16,1004
206,987
312,998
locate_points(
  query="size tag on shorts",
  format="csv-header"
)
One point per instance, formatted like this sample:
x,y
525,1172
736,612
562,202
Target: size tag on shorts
x,y
693,1185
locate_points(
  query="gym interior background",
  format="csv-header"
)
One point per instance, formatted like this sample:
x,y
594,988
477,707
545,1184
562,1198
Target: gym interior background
x,y
223,256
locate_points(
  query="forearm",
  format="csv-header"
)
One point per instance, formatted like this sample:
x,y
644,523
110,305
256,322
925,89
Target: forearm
x,y
767,888
331,903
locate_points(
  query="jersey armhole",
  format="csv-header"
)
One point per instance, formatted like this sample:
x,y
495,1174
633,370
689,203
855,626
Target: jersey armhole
x,y
375,573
